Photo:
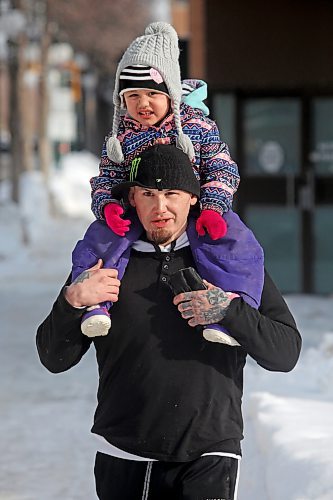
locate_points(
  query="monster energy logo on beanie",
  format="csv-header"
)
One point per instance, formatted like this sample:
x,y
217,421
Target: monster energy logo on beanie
x,y
134,168
163,166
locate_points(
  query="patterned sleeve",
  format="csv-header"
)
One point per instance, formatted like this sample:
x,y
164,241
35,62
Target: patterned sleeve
x,y
110,174
219,177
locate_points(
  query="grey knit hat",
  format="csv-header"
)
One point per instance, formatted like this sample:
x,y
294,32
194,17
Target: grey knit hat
x,y
157,48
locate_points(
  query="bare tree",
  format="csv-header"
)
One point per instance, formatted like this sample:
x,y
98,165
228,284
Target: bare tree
x,y
43,140
101,30
16,115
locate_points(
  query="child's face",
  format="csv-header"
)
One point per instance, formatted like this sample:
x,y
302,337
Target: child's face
x,y
147,106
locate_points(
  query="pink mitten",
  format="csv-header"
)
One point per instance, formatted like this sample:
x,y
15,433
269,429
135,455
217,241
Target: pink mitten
x,y
213,223
112,213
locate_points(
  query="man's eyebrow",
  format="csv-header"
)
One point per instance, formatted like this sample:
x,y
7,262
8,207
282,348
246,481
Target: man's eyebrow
x,y
143,190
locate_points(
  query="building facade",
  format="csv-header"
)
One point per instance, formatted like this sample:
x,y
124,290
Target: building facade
x,y
270,77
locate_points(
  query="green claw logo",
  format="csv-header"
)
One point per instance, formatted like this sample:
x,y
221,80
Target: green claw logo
x,y
134,169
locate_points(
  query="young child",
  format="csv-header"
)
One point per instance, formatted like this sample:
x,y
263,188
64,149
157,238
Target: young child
x,y
148,86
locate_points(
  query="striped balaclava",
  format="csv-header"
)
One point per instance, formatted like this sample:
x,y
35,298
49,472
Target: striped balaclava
x,y
154,58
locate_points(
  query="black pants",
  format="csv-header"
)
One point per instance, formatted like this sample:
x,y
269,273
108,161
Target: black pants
x,y
207,478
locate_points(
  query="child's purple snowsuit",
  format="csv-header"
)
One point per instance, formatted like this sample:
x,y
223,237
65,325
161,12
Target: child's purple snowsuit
x,y
100,242
234,263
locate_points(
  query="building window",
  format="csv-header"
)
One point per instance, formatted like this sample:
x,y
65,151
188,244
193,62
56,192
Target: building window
x,y
272,141
321,154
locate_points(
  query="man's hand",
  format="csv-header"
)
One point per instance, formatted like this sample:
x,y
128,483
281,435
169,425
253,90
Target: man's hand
x,y
204,307
93,286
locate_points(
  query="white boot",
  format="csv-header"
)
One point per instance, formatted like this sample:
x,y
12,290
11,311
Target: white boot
x,y
213,335
96,322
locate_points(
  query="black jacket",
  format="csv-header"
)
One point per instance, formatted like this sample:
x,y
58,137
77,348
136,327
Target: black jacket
x,y
164,391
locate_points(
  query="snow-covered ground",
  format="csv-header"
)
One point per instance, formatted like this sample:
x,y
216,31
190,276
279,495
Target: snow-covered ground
x,y
46,449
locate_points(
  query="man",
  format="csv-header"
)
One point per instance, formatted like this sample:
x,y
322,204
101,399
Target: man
x,y
168,418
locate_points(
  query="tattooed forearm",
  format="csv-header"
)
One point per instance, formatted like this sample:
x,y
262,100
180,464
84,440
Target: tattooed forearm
x,y
83,276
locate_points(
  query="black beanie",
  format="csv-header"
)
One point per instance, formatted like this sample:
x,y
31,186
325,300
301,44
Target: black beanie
x,y
141,77
163,166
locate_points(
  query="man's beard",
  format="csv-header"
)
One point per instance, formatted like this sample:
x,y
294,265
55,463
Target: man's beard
x,y
160,236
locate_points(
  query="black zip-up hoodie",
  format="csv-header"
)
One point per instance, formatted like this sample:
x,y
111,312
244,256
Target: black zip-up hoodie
x,y
164,391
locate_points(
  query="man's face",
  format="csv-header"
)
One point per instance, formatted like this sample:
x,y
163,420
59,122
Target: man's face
x,y
164,213
146,106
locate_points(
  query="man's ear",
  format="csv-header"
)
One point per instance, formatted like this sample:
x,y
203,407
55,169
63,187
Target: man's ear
x,y
193,199
131,197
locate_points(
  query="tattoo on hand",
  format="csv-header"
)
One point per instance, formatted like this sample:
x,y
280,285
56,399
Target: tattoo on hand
x,y
205,307
83,276
216,296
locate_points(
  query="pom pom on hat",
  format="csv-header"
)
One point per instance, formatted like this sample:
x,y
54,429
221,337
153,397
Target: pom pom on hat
x,y
161,27
113,149
157,48
113,146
